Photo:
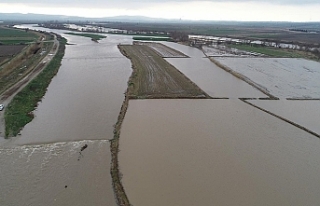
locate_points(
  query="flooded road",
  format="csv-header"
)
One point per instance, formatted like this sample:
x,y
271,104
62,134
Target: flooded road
x,y
45,165
215,152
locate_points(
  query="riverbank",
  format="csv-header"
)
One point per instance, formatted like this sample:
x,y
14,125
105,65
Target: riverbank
x,y
19,112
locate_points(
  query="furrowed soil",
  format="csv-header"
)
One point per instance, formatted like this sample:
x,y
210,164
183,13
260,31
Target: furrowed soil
x,y
153,77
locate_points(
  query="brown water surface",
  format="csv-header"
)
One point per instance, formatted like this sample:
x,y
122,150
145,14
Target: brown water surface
x,y
215,152
213,80
81,104
84,99
56,174
305,112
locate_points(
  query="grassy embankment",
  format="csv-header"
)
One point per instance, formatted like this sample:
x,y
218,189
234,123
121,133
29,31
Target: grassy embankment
x,y
271,51
94,37
19,111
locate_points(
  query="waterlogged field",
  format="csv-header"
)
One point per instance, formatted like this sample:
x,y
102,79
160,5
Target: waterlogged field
x,y
224,51
282,77
163,51
215,152
213,80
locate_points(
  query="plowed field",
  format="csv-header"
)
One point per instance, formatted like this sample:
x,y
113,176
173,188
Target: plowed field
x,y
153,77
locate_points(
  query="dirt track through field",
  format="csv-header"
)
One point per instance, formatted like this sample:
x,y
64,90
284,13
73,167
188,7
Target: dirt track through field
x,y
153,77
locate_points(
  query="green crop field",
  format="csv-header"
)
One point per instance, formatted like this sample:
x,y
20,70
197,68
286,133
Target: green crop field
x,y
16,36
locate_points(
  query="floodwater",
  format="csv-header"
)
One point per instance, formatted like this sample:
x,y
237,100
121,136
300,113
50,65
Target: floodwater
x,y
84,99
215,81
57,174
187,50
44,165
283,77
215,152
304,112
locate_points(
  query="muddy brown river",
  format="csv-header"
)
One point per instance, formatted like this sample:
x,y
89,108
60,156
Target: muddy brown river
x,y
45,165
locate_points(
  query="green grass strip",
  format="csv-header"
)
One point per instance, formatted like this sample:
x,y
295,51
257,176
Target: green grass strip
x,y
92,36
20,110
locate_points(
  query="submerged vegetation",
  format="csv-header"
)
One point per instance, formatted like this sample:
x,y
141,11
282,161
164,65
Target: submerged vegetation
x,y
20,111
274,52
94,37
269,51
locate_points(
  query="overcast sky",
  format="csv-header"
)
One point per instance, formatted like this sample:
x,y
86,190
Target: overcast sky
x,y
240,10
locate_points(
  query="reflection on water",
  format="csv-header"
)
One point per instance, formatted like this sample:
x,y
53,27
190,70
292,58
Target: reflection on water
x,y
215,152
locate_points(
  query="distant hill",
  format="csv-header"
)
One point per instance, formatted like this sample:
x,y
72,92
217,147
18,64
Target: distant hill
x,y
43,17
39,18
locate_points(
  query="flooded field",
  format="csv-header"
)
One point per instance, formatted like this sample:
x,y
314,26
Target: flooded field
x,y
282,77
163,51
213,80
224,51
187,50
215,152
305,113
56,174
